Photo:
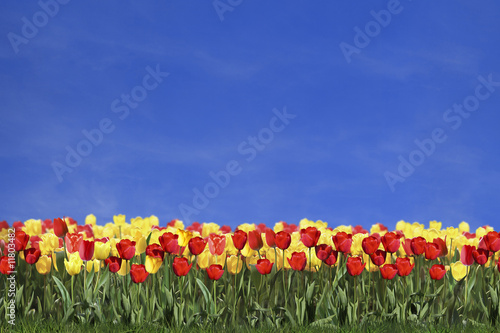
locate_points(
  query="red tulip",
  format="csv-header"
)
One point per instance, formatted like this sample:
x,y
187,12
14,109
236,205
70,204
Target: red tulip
x,y
343,242
391,242
138,273
255,240
264,266
197,245
492,241
378,257
404,266
181,266
239,239
354,266
6,267
114,264
332,259
418,245
432,251
102,240
216,244
31,255
298,261
215,272
407,247
225,229
480,256
389,271
4,225
437,272
21,240
310,236
154,250
466,255
60,227
270,237
323,251
169,243
86,250
126,249
441,243
370,244
73,241
283,240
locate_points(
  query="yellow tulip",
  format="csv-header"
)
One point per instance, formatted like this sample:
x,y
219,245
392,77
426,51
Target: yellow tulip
x,y
209,228
458,270
153,264
101,250
232,261
184,237
356,247
93,264
435,225
119,219
48,244
125,268
33,227
44,264
74,265
464,226
90,219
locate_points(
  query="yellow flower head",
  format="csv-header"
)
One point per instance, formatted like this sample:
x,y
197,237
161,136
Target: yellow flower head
x,y
48,244
435,225
153,264
464,226
33,227
74,265
101,250
93,264
119,219
232,261
44,264
184,237
209,228
458,270
90,219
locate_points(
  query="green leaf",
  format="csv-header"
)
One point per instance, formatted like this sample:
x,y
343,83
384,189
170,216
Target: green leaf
x,y
310,291
206,296
493,296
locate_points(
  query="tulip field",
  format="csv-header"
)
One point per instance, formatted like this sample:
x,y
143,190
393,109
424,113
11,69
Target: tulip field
x,y
306,275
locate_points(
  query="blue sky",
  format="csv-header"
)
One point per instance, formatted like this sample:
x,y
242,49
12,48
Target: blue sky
x,y
350,117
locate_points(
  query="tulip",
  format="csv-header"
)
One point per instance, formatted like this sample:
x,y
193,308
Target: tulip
x,y
388,271
153,264
169,243
378,257
184,237
7,266
370,244
44,265
126,249
216,244
101,249
298,261
283,240
197,245
480,256
404,266
418,245
20,241
255,240
270,235
432,251
458,270
234,265
354,266
73,242
407,247
466,255
181,266
492,241
138,273
264,266
323,251
391,242
437,272
239,239
74,264
332,258
114,264
443,249
310,236
86,250
343,242
60,227
31,255
215,272
93,265
156,251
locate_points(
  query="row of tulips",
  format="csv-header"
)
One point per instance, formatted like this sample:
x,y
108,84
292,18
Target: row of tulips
x,y
299,274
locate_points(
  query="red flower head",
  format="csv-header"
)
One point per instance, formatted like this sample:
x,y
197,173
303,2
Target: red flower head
x,y
169,243
255,240
283,240
370,244
86,250
239,239
407,247
354,266
216,244
138,273
225,229
60,227
5,265
298,261
389,271
332,259
359,230
4,225
270,237
418,245
114,264
391,242
466,255
441,243
432,251
215,272
31,255
437,272
126,249
378,257
87,229
181,266
154,250
73,241
323,251
197,245
404,266
21,240
193,227
309,236
480,256
264,266
343,242
492,241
